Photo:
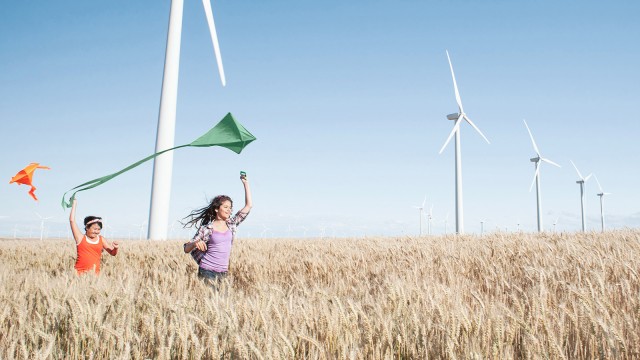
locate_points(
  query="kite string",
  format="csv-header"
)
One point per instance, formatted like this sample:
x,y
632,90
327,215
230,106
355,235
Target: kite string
x,y
101,180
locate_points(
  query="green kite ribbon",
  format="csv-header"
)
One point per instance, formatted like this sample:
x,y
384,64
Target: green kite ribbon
x,y
227,133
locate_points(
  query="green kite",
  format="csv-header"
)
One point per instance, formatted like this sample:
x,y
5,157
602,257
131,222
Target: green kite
x,y
227,133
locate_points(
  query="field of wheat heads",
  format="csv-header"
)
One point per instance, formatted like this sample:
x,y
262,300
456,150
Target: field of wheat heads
x,y
500,296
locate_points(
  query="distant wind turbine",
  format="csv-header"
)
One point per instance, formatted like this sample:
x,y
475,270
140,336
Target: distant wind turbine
x,y
323,228
536,176
420,209
107,231
429,218
163,164
601,194
42,220
446,220
141,227
458,117
482,227
582,199
265,229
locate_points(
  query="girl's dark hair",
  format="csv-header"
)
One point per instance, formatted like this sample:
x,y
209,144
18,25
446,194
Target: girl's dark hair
x,y
207,214
89,218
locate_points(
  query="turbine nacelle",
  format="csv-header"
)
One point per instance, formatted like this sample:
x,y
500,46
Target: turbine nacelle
x,y
453,116
535,159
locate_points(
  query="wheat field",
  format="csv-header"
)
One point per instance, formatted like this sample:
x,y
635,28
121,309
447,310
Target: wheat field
x,y
499,296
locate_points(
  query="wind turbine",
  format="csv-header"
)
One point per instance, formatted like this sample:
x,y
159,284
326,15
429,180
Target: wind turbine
x,y
264,231
163,164
429,218
458,117
582,199
42,220
446,219
107,231
141,227
482,227
420,209
536,176
601,194
555,223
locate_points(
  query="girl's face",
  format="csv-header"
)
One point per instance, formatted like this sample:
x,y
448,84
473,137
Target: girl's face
x,y
224,211
93,230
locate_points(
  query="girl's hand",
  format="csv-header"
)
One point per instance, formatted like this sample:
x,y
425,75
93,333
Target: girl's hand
x,y
244,179
201,245
115,244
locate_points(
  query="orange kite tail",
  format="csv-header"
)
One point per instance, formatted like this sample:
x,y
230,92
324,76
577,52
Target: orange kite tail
x,y
25,177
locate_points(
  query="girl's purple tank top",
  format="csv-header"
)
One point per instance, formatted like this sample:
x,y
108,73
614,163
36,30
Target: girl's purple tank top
x,y
218,251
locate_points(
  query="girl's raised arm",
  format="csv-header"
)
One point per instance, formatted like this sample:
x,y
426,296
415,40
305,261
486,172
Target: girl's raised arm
x,y
77,234
247,195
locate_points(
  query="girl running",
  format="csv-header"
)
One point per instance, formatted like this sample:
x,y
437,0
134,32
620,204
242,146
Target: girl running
x,y
211,246
90,244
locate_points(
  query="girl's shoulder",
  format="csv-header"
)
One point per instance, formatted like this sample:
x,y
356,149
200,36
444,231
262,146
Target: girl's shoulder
x,y
205,229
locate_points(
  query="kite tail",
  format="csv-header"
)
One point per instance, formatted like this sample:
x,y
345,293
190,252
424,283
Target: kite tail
x,y
32,192
99,181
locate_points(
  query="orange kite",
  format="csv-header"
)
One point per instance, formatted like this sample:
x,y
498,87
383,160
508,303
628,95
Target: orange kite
x,y
25,176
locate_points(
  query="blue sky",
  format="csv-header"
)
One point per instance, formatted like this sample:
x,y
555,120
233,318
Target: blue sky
x,y
348,102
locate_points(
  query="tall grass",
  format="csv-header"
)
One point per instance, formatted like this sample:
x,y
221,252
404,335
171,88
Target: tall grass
x,y
499,296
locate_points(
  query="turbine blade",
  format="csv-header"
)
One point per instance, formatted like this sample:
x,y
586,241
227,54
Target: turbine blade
x,y
475,127
578,171
550,162
535,175
598,182
214,38
424,201
455,84
587,178
535,147
456,127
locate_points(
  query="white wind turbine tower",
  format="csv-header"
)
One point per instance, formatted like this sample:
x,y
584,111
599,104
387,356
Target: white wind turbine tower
x,y
42,220
601,194
458,117
163,164
582,199
536,176
420,209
